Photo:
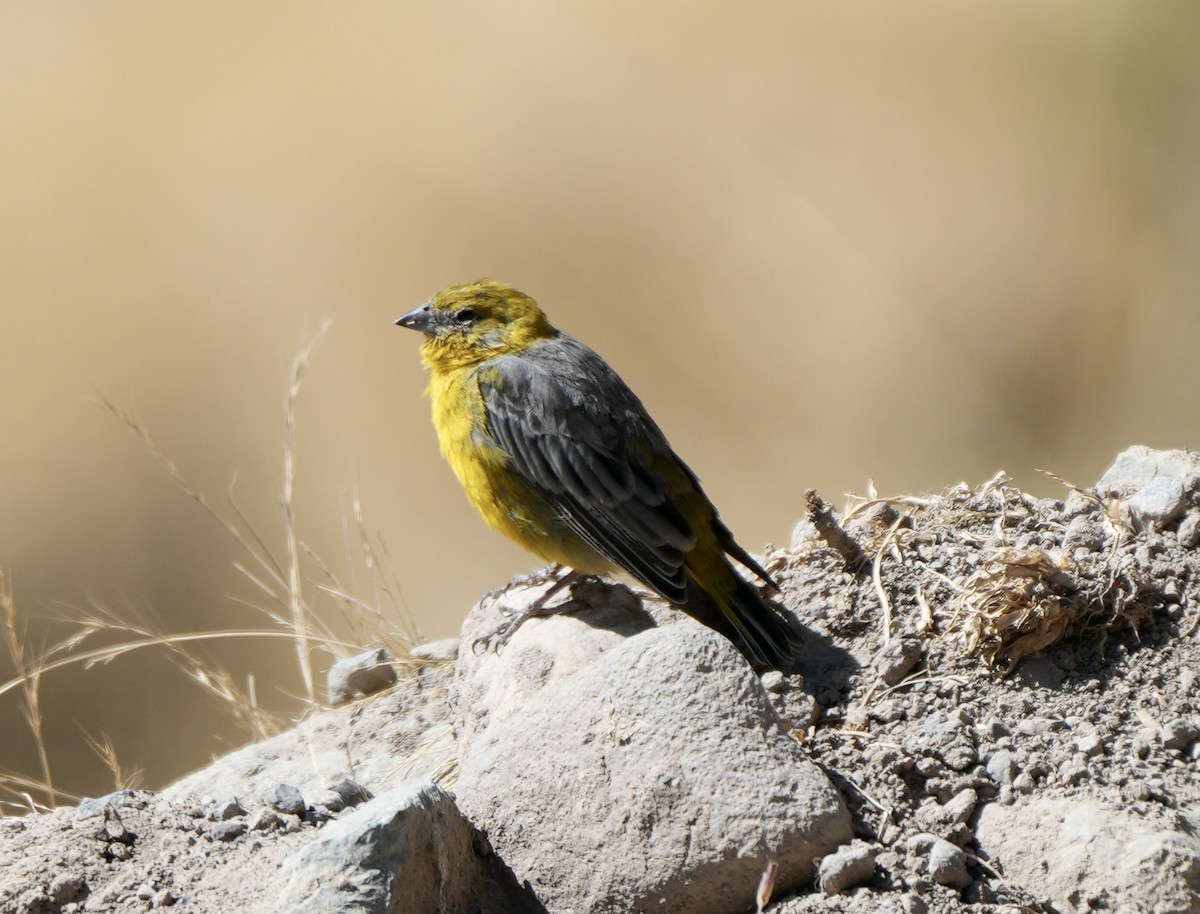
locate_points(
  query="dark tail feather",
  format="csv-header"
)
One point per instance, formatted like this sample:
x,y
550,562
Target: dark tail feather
x,y
766,638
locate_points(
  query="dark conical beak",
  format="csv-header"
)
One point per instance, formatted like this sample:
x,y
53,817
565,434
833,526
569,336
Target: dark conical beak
x,y
421,318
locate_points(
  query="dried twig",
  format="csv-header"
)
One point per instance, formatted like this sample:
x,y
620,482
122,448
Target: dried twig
x,y
834,535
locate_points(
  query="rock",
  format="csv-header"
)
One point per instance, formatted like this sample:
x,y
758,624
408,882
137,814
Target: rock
x,y
265,819
1189,530
1177,734
362,674
114,827
941,819
328,800
1001,767
351,792
1152,486
409,849
941,861
444,649
846,867
995,729
773,681
95,806
227,831
491,685
287,799
228,808
654,777
1067,850
947,738
64,889
1090,744
897,657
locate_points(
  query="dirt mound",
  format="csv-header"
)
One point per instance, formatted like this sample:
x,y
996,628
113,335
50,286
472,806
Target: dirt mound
x,y
1002,690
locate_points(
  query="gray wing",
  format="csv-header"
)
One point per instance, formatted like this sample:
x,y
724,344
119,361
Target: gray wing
x,y
577,436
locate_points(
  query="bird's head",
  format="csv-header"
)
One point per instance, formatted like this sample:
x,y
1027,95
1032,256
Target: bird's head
x,y
467,324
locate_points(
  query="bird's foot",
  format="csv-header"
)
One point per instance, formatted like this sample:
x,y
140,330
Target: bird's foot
x,y
531,579
560,577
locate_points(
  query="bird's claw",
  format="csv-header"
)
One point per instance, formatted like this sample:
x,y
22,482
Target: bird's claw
x,y
539,608
497,637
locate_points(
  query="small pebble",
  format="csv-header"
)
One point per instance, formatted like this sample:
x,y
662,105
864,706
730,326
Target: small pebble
x,y
352,792
994,728
114,828
897,658
443,649
1001,767
265,819
1090,744
1177,734
947,865
1023,783
772,681
286,798
118,851
226,809
227,831
363,674
848,866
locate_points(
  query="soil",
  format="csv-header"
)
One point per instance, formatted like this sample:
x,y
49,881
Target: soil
x,y
980,648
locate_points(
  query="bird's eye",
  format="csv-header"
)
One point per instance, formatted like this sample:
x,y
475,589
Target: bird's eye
x,y
466,315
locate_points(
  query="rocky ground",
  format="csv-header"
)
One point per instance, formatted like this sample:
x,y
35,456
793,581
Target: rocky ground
x,y
998,713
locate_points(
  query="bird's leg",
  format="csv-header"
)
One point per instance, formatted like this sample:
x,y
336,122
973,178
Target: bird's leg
x,y
538,608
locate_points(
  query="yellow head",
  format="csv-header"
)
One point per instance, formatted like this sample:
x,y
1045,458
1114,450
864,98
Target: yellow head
x,y
476,321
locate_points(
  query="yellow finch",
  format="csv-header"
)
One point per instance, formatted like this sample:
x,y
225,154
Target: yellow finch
x,y
557,453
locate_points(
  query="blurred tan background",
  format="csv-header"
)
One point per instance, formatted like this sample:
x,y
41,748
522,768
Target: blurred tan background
x,y
826,243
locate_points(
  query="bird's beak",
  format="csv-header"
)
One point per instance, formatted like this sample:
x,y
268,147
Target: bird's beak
x,y
422,318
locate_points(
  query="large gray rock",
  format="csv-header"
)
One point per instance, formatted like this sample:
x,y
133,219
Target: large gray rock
x,y
491,684
642,773
407,850
1083,855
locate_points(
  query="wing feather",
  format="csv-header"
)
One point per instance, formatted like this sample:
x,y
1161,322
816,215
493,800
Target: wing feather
x,y
576,435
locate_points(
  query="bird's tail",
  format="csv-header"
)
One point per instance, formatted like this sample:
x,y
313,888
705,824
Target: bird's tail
x,y
737,611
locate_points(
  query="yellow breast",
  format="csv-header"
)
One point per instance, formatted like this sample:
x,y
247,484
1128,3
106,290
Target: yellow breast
x,y
500,497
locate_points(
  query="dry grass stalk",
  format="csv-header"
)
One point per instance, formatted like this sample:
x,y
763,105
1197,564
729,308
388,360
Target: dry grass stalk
x,y
282,583
28,677
298,609
876,577
293,616
123,778
17,790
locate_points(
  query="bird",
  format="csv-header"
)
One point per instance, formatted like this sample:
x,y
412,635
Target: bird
x,y
555,451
